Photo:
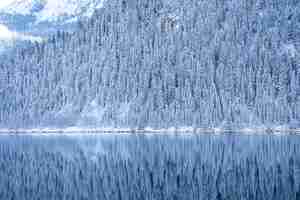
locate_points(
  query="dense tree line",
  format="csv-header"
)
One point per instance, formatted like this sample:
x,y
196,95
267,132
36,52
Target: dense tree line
x,y
157,167
162,63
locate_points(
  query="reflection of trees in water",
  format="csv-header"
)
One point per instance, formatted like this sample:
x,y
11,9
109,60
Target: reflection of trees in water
x,y
153,168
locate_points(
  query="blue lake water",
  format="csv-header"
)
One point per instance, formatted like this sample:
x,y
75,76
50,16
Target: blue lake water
x,y
108,167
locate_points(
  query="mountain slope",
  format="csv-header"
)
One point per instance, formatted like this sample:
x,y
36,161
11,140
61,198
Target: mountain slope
x,y
39,18
161,64
51,10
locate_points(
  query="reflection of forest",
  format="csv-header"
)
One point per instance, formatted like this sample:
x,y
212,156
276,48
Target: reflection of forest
x,y
154,167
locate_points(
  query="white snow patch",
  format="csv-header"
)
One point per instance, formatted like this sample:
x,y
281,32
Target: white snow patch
x,y
5,3
22,7
186,129
10,36
54,9
5,33
291,50
217,130
248,130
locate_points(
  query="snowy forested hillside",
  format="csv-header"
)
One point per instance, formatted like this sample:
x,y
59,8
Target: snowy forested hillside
x,y
162,63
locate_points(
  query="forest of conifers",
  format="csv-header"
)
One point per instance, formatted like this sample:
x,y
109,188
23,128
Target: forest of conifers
x,y
162,63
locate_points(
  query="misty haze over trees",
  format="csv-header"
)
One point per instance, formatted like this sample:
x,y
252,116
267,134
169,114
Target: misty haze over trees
x,y
162,63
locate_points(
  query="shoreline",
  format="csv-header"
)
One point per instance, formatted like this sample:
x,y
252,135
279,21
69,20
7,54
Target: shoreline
x,y
183,130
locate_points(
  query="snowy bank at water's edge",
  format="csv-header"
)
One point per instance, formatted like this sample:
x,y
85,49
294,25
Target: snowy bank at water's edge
x,y
78,130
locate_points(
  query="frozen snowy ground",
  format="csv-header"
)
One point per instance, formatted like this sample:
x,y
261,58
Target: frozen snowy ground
x,y
172,130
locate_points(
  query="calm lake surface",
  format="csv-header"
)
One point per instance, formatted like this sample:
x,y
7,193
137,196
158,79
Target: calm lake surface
x,y
108,167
